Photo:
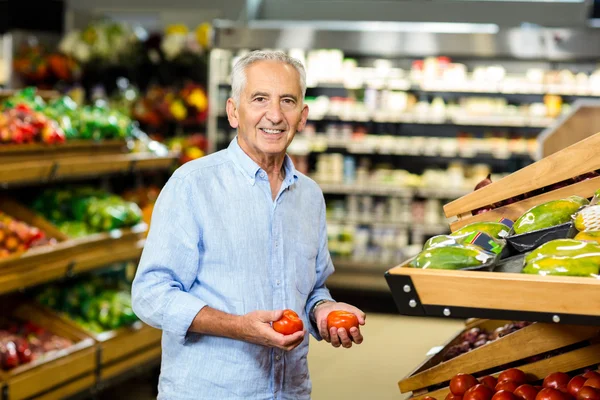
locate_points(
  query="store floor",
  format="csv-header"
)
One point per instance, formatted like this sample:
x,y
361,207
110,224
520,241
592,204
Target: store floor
x,y
393,346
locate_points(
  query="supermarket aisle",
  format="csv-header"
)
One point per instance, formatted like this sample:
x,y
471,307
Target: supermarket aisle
x,y
393,346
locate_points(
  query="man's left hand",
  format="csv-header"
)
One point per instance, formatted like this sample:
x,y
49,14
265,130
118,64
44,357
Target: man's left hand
x,y
339,337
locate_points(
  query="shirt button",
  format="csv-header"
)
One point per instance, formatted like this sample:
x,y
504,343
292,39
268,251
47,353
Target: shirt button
x,y
262,175
278,357
278,282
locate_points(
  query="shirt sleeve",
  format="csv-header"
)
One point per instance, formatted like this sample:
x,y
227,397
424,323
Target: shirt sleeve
x,y
170,262
324,268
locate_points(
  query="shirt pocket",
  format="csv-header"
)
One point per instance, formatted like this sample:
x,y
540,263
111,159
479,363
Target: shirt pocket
x,y
305,264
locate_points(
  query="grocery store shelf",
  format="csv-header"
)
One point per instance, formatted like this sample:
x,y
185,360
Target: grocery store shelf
x,y
474,88
53,262
59,168
367,147
44,94
432,229
392,191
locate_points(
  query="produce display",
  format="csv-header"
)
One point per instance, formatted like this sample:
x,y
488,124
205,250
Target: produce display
x,y
22,342
17,236
477,337
27,118
22,124
81,211
513,384
564,257
98,304
289,323
144,197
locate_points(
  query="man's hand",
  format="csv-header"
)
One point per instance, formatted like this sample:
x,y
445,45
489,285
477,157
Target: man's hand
x,y
255,327
336,336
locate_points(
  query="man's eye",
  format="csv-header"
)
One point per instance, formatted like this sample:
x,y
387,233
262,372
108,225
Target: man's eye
x,y
260,99
288,101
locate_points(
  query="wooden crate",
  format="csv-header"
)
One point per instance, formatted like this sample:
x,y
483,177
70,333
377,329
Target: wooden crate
x,y
63,373
120,349
540,338
492,294
19,153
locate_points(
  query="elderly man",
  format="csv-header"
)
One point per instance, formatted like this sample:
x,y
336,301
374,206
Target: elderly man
x,y
236,238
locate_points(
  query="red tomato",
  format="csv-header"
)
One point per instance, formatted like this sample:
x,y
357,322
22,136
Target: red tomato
x,y
451,396
594,382
588,393
526,392
342,319
557,380
489,381
591,374
461,383
575,385
289,323
514,375
479,392
550,394
509,386
504,395
429,398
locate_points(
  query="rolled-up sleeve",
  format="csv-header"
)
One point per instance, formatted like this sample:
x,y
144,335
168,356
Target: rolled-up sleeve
x,y
170,263
324,268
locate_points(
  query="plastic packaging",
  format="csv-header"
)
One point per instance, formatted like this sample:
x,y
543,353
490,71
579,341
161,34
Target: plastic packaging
x,y
453,258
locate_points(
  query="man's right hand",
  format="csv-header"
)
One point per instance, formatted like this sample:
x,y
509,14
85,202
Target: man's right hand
x,y
255,327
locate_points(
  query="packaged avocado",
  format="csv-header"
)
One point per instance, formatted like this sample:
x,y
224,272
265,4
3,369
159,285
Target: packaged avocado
x,y
451,257
588,219
479,239
546,215
565,248
563,266
496,230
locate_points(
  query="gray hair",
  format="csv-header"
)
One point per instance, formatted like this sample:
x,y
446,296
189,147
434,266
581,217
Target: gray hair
x,y
238,73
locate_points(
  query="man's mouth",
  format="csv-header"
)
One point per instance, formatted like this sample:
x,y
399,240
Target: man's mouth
x,y
272,131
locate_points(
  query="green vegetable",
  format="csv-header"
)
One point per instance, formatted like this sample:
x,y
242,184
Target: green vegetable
x,y
565,248
494,229
562,266
451,257
548,214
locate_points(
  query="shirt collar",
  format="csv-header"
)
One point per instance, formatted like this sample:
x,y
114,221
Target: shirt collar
x,y
251,168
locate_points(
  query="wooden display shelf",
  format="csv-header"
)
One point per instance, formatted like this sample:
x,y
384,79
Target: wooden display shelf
x,y
123,348
72,148
48,263
58,168
540,338
60,373
514,296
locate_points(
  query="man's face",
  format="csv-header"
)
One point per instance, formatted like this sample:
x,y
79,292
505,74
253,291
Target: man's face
x,y
270,110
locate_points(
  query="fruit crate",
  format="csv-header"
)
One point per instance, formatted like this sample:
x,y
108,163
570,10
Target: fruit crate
x,y
69,256
58,375
509,296
121,349
549,348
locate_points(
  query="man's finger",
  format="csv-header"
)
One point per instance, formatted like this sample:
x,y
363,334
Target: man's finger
x,y
346,341
335,340
293,338
324,331
356,335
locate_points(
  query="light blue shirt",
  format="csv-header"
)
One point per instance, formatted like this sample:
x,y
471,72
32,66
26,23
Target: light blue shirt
x,y
217,238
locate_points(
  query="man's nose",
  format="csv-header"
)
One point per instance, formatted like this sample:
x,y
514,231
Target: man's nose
x,y
274,113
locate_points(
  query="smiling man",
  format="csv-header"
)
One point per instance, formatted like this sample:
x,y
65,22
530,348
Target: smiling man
x,y
237,237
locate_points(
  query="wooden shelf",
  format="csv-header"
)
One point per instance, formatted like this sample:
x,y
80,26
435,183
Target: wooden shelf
x,y
60,168
48,263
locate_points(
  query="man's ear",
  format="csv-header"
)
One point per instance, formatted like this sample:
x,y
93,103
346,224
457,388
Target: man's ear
x,y
303,119
232,114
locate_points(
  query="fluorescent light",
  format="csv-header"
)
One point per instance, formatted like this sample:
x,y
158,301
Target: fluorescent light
x,y
366,26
